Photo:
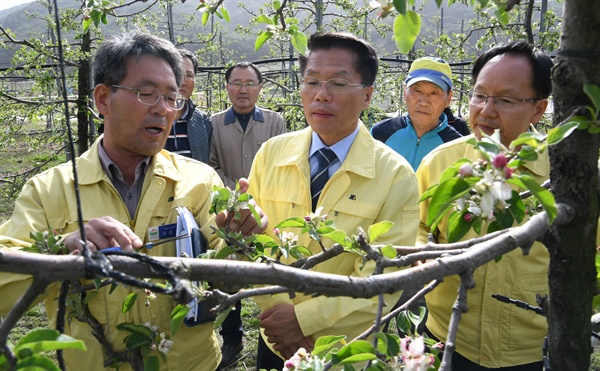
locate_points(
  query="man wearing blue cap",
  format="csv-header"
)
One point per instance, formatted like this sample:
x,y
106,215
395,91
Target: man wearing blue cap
x,y
427,93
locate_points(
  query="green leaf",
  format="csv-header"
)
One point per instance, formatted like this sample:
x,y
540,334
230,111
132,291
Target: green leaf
x,y
444,197
360,350
400,6
379,229
104,19
504,218
404,323
530,138
387,344
137,340
276,5
557,134
292,223
205,16
406,29
416,318
255,214
86,25
517,207
325,343
593,92
338,236
300,42
488,149
389,252
457,225
263,19
225,14
544,196
151,364
582,122
261,39
95,16
34,363
45,340
128,302
135,328
177,317
528,153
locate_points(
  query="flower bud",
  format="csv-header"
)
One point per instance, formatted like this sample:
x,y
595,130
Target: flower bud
x,y
465,170
500,161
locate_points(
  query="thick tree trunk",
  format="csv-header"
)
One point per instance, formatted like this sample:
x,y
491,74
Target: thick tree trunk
x,y
574,177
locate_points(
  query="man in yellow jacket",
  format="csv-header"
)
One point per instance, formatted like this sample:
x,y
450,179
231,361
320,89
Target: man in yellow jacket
x,y
129,187
368,183
511,87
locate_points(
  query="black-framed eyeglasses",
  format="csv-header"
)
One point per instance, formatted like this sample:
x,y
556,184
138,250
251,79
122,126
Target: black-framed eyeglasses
x,y
150,96
502,103
239,85
335,85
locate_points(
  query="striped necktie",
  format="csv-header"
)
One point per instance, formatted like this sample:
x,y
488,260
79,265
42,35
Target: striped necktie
x,y
325,156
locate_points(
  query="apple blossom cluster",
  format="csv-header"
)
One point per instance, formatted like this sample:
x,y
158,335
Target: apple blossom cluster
x,y
165,344
386,7
413,355
491,193
302,360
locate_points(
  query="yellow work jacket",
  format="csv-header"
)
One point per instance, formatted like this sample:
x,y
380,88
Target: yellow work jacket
x,y
373,184
47,202
491,333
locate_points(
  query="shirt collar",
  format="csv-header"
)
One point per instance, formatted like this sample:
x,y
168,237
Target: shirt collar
x,y
257,115
341,148
111,169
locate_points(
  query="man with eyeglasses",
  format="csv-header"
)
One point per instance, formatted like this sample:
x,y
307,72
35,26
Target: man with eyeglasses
x,y
511,86
334,168
129,187
192,130
428,93
238,133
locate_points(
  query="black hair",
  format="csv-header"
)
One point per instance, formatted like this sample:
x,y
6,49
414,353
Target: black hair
x,y
191,56
244,65
366,62
541,64
110,62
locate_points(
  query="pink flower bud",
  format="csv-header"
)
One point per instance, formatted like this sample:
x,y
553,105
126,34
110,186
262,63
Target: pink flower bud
x,y
500,161
508,172
307,218
276,231
465,170
468,217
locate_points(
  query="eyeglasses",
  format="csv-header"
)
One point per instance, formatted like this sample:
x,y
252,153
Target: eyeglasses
x,y
249,85
335,85
501,103
150,96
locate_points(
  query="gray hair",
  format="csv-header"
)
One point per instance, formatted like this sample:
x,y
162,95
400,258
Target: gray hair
x,y
112,55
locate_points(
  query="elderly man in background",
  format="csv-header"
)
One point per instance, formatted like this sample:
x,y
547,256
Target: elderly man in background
x,y
427,93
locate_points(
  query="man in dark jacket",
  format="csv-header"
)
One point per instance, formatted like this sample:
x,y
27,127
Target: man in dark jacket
x,y
192,130
427,93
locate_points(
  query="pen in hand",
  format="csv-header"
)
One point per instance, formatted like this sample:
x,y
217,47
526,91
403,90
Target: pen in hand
x,y
148,245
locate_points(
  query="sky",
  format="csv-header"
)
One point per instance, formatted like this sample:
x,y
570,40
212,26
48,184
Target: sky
x,y
5,4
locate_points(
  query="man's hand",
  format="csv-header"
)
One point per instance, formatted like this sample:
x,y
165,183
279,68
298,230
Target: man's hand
x,y
283,330
102,233
246,225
